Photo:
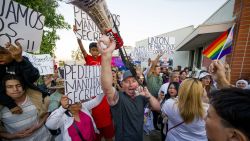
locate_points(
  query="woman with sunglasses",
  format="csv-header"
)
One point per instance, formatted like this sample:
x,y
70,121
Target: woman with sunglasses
x,y
74,120
186,113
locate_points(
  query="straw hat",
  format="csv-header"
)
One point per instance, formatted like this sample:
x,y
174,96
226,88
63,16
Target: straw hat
x,y
59,84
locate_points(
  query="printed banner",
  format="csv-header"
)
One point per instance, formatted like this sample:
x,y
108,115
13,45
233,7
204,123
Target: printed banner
x,y
44,63
22,24
140,53
82,82
161,44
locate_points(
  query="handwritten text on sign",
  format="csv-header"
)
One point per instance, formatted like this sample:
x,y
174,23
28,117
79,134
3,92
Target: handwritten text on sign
x,y
163,44
87,28
140,53
82,82
44,63
22,24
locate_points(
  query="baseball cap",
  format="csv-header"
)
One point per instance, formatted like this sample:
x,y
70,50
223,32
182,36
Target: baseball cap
x,y
204,74
127,74
59,84
93,44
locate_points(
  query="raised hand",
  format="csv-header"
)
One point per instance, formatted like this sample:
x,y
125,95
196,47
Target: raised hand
x,y
15,51
65,102
160,54
75,29
144,91
218,71
106,45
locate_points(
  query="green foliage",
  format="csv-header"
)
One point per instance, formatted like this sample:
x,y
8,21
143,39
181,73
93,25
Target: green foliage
x,y
53,21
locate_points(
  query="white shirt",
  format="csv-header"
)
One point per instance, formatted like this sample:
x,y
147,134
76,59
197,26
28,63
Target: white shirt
x,y
194,131
164,88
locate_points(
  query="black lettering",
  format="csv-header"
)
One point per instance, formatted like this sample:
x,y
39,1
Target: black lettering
x,y
84,85
18,40
97,36
73,72
87,92
70,86
67,70
30,19
1,24
69,97
15,33
11,7
23,14
80,72
78,85
80,95
6,35
3,7
76,11
89,33
33,44
41,22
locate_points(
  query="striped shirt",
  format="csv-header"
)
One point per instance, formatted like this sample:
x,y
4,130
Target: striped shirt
x,y
18,122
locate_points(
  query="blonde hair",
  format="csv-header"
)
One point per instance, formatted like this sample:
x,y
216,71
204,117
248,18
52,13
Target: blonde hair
x,y
190,100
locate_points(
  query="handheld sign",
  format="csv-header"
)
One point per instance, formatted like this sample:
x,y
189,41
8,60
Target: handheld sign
x,y
88,30
81,82
161,44
22,24
44,63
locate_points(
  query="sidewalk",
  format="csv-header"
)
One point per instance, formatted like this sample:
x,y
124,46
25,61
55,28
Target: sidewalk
x,y
154,136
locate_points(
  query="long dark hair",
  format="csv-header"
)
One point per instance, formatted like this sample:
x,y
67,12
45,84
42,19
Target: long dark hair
x,y
176,85
12,77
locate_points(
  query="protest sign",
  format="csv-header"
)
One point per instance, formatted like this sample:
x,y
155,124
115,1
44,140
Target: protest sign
x,y
22,24
44,63
140,53
161,44
88,30
82,82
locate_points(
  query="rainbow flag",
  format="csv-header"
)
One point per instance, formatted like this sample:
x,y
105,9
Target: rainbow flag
x,y
221,46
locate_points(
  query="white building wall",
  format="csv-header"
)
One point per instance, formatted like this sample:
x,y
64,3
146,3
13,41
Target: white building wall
x,y
179,57
223,14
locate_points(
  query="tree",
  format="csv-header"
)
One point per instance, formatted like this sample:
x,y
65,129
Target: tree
x,y
77,55
53,21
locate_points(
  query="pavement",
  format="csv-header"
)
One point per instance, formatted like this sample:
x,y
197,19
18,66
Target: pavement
x,y
153,136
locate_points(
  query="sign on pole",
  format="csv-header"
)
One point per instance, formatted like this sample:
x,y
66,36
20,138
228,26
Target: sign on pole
x,y
82,82
22,24
88,30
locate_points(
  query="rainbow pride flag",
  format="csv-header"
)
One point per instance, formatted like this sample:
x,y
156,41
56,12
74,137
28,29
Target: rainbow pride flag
x,y
221,46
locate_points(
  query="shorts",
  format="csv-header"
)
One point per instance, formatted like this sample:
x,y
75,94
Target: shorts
x,y
107,132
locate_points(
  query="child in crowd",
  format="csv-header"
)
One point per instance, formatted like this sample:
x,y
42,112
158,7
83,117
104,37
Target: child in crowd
x,y
12,62
101,114
95,57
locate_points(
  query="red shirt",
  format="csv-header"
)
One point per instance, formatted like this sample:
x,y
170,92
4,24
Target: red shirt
x,y
91,61
101,114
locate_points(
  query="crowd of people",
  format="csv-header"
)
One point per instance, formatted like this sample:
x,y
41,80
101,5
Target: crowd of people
x,y
182,106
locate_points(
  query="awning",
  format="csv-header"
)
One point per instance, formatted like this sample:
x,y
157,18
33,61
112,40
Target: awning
x,y
202,35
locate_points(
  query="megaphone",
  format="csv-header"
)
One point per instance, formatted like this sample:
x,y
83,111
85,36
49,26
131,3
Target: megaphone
x,y
99,13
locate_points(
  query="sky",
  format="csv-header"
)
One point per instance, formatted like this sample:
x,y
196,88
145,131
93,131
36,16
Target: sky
x,y
141,19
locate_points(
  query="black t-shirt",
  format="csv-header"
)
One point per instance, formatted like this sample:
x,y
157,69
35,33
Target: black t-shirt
x,y
128,116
